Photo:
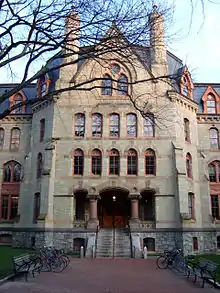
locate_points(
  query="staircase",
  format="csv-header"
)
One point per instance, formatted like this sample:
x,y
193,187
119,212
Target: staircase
x,y
113,243
104,246
122,247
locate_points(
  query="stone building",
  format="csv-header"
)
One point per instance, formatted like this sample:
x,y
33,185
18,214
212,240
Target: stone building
x,y
76,167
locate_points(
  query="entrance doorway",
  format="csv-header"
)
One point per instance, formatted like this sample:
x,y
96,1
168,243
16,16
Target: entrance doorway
x,y
114,209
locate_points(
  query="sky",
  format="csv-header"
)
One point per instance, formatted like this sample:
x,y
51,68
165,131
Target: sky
x,y
193,37
197,42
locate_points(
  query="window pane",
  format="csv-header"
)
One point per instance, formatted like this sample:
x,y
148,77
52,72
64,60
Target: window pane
x,y
15,139
4,207
80,125
2,134
150,165
214,138
107,86
114,165
190,204
148,126
131,125
97,125
123,85
7,173
212,173
132,165
215,206
17,173
211,107
14,207
96,165
114,125
78,165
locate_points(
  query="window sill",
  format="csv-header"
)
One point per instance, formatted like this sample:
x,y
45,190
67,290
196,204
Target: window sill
x,y
8,221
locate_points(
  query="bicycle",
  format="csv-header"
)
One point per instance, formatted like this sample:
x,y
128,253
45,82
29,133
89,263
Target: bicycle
x,y
167,259
50,261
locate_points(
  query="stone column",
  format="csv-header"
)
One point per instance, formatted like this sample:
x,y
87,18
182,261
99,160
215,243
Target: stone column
x,y
93,215
134,220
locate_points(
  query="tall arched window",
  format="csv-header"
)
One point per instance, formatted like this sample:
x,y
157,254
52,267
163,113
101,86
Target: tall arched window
x,y
131,125
15,139
191,205
107,85
214,172
79,125
114,162
123,85
96,167
189,165
114,125
186,130
211,104
150,162
214,138
132,162
39,165
78,162
12,172
2,136
97,125
149,126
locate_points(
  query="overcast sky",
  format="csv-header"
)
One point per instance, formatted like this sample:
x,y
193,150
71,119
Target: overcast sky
x,y
196,42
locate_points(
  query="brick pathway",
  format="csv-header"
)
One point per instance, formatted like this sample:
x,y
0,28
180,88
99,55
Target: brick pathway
x,y
108,276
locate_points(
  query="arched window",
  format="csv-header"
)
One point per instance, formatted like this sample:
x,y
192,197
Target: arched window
x,y
39,165
214,172
191,205
123,85
12,172
214,138
149,126
195,244
186,130
150,162
15,139
36,206
132,162
107,85
79,125
17,100
114,162
2,136
114,125
189,165
78,162
131,125
96,162
211,104
97,125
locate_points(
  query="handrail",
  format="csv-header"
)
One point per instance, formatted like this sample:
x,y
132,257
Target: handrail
x,y
113,248
131,244
96,239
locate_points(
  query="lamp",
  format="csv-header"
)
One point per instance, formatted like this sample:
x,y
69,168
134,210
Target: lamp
x,y
114,198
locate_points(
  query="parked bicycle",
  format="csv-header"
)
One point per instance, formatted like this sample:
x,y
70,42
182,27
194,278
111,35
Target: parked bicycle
x,y
52,259
168,257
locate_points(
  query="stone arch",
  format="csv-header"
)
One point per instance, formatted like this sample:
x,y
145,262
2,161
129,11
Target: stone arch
x,y
77,243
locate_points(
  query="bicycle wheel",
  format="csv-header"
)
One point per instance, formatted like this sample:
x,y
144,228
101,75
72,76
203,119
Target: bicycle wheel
x,y
65,259
162,262
57,265
45,267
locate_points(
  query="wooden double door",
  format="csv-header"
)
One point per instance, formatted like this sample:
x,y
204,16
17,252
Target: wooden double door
x,y
113,210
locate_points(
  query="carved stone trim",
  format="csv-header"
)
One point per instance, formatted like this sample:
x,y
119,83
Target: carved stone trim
x,y
134,196
93,196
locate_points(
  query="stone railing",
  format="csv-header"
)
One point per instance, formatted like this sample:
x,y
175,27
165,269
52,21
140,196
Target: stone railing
x,y
79,224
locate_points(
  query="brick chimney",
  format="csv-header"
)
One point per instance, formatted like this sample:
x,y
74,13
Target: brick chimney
x,y
159,66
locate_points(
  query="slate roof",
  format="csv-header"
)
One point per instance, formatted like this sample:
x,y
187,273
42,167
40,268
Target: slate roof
x,y
29,91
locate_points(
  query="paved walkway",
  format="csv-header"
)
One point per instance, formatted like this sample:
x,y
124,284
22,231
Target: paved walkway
x,y
108,276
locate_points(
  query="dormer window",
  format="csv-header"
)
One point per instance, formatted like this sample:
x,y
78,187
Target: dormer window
x,y
17,99
211,101
43,86
186,84
211,104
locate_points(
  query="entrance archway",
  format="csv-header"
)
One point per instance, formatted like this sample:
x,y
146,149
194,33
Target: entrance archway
x,y
114,208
